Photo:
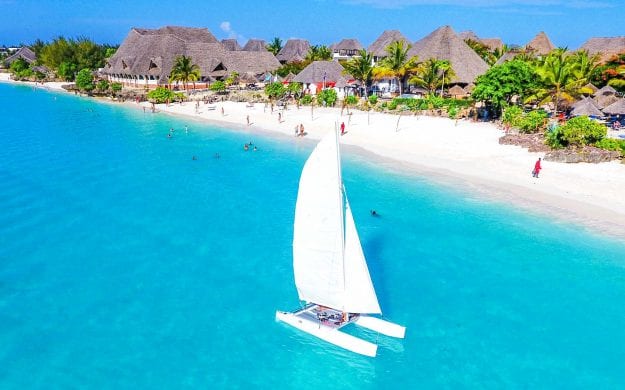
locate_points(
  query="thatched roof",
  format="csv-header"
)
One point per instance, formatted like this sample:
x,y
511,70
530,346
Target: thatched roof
x,y
604,101
332,71
294,50
444,44
289,77
255,45
616,108
607,47
464,35
586,107
231,44
541,44
456,91
507,56
378,47
606,90
469,88
346,46
153,52
492,43
24,53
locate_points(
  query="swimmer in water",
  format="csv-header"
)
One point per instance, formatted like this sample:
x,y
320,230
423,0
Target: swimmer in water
x,y
374,213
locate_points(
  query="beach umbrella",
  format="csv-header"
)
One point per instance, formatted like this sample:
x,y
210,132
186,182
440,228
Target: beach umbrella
x,y
616,108
586,107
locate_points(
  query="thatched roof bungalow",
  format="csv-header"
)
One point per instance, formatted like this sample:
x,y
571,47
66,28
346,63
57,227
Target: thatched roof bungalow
x,y
616,108
320,74
24,53
346,48
255,45
294,50
457,92
444,44
146,57
605,96
606,47
541,44
378,47
587,107
231,44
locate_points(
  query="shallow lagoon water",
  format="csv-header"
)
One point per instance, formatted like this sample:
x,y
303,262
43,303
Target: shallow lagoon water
x,y
125,263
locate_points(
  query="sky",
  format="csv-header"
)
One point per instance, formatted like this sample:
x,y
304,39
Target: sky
x,y
568,23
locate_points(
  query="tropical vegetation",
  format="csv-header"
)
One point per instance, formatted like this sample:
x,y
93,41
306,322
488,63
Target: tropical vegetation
x,y
185,71
397,65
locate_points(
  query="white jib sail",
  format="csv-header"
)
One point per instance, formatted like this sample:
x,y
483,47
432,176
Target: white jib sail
x,y
322,273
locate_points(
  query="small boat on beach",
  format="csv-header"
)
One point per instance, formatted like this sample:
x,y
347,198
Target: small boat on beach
x,y
331,273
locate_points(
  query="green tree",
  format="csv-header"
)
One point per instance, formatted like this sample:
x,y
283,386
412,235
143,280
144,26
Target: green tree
x,y
218,86
275,90
502,82
67,71
584,66
184,70
232,79
327,97
556,72
275,46
116,88
84,80
397,65
360,67
319,53
431,74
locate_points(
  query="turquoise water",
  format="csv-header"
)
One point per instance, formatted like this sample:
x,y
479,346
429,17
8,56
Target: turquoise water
x,y
126,264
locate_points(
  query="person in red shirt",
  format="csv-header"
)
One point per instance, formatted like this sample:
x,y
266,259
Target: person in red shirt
x,y
537,168
342,128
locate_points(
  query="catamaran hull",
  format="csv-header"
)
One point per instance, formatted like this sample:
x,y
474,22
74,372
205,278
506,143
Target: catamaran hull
x,y
381,326
331,335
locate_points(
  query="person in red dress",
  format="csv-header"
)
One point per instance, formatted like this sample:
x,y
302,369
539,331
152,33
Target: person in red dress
x,y
537,168
342,128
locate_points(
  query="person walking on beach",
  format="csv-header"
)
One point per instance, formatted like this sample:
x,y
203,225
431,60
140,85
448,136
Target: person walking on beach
x,y
342,128
222,112
537,168
248,120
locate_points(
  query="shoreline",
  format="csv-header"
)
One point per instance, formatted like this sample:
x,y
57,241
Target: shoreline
x,y
463,155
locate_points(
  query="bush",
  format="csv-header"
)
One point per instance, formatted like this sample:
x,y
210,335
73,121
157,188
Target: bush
x,y
511,115
275,90
102,86
452,111
116,87
351,99
218,86
306,99
373,100
581,131
612,144
84,80
327,96
532,121
162,95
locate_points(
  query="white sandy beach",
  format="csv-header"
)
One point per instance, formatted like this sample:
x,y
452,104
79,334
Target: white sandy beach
x,y
465,153
462,153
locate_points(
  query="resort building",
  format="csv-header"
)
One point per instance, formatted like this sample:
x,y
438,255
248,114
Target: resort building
x,y
444,44
540,46
294,50
146,57
255,45
346,49
231,44
24,53
605,47
378,47
321,75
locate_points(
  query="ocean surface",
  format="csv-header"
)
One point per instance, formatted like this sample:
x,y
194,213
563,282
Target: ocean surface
x,y
124,263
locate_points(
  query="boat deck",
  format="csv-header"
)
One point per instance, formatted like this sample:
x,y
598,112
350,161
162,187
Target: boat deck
x,y
326,316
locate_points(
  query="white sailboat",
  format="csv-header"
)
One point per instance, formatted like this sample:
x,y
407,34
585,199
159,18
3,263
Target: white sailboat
x,y
331,273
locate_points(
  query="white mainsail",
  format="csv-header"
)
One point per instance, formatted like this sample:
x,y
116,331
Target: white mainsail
x,y
328,262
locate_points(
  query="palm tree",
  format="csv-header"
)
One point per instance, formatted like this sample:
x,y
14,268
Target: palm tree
x,y
556,71
184,70
361,68
431,74
500,51
584,66
319,53
275,46
397,64
482,50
